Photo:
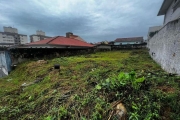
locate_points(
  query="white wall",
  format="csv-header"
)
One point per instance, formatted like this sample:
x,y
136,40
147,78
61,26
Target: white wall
x,y
165,47
153,29
35,38
170,15
6,38
23,39
176,14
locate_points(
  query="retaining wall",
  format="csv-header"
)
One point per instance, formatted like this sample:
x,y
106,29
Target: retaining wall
x,y
164,47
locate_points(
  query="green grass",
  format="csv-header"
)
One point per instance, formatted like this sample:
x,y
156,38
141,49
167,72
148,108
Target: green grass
x,y
71,92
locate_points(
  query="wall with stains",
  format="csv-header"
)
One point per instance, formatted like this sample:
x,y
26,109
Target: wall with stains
x,y
164,47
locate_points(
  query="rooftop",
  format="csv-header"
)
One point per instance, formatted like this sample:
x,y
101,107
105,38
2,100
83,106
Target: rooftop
x,y
132,39
62,41
9,33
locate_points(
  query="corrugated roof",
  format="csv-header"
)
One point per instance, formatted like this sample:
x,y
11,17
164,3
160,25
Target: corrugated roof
x,y
132,39
62,41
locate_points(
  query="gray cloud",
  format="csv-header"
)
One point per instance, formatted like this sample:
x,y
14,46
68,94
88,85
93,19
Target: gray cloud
x,y
93,20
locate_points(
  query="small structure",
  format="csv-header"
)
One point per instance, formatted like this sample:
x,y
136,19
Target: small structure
x,y
128,41
57,66
152,31
103,47
171,10
40,35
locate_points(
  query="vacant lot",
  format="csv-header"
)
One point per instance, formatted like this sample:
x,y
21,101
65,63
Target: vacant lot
x,y
87,86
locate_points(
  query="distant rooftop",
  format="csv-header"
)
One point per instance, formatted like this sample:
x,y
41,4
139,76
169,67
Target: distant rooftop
x,y
131,39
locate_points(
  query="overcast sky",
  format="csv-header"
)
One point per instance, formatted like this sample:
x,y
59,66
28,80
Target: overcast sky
x,y
93,20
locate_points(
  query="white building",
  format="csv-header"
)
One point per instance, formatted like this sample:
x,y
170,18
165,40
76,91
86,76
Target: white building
x,y
11,37
40,35
10,30
171,10
23,39
40,32
6,39
128,41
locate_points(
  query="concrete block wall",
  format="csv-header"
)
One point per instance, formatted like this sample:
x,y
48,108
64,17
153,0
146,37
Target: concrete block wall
x,y
164,47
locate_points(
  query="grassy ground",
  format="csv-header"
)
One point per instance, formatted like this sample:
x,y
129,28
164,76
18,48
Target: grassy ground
x,y
88,85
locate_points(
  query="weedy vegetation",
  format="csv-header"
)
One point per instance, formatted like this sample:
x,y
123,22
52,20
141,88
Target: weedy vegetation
x,y
87,86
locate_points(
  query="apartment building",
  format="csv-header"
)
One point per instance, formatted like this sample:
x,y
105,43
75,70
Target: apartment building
x,y
40,35
11,37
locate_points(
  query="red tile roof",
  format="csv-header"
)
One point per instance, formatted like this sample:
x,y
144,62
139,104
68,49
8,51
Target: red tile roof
x,y
62,41
132,39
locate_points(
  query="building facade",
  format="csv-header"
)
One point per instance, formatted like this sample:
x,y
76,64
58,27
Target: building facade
x,y
40,35
11,37
130,41
164,46
170,9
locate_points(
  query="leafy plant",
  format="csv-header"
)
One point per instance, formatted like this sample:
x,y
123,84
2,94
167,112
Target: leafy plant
x,y
121,80
63,112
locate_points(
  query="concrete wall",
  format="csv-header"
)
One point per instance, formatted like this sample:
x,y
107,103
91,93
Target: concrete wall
x,y
165,47
171,15
153,29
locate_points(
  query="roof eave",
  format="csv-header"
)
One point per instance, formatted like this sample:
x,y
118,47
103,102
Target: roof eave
x,y
164,7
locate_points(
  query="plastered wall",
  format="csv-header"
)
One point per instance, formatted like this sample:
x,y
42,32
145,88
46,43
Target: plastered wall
x,y
164,47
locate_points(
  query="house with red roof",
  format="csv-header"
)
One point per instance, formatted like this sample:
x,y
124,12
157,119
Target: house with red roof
x,y
59,42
